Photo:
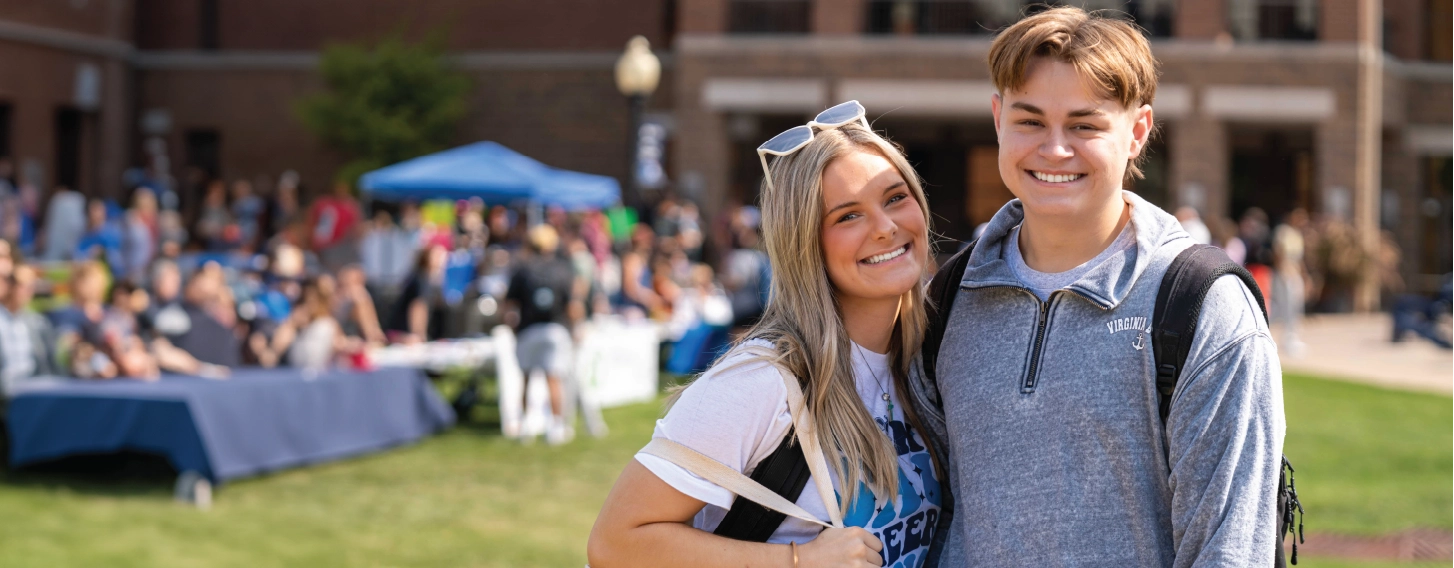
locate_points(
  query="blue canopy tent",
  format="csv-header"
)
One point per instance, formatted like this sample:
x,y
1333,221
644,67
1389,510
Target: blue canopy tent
x,y
491,172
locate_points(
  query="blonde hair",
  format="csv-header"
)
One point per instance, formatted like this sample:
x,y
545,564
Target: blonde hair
x,y
1108,52
543,238
809,340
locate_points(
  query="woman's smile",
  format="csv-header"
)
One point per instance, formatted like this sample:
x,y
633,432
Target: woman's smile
x,y
887,257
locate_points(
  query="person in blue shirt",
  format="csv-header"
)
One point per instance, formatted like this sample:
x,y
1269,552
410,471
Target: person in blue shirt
x,y
102,239
274,304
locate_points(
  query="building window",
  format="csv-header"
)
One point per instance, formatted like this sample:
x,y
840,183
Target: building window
x,y
204,151
68,147
1156,17
769,16
1440,39
207,24
987,17
1436,226
941,17
1252,20
5,125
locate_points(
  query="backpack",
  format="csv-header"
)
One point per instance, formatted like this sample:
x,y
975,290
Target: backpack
x,y
1178,306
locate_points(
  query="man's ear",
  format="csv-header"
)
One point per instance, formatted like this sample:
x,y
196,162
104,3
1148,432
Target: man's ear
x,y
1141,127
995,102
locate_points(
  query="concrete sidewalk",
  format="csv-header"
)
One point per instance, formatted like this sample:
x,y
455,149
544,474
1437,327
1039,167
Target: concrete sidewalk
x,y
1356,347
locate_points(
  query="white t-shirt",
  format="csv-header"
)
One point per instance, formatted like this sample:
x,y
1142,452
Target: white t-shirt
x,y
740,415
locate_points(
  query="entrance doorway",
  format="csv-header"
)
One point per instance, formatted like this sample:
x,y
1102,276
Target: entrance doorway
x,y
69,127
1272,169
1437,222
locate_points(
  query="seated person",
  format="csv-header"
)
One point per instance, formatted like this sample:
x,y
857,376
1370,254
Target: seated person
x,y
1421,314
196,329
87,294
419,313
222,304
311,338
282,286
26,338
154,319
102,238
110,332
354,307
166,299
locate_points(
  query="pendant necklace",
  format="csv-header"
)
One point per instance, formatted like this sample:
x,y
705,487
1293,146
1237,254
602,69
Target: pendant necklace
x,y
879,382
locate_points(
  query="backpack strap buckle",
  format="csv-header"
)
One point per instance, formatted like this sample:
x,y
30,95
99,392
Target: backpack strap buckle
x,y
1166,379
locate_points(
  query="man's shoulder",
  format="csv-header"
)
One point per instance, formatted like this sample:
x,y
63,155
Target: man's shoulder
x,y
1230,317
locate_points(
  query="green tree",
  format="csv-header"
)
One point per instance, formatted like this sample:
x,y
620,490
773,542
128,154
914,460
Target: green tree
x,y
386,103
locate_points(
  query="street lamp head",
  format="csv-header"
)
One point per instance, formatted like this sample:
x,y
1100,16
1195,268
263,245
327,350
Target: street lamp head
x,y
638,70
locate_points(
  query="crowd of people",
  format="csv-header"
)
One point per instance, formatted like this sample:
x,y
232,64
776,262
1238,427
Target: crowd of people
x,y
220,275
1312,263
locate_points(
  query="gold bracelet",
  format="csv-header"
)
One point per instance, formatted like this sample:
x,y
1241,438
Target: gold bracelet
x,y
795,553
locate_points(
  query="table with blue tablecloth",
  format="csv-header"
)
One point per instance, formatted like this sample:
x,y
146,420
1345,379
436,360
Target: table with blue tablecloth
x,y
257,421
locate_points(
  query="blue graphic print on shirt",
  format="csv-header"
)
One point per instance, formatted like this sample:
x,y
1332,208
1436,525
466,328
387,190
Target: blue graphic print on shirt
x,y
905,527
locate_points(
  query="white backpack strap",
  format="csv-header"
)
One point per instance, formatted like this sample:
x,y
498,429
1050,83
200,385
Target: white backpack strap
x,y
812,450
728,478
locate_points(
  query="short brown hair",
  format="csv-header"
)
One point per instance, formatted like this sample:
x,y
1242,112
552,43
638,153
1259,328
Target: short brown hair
x,y
1109,52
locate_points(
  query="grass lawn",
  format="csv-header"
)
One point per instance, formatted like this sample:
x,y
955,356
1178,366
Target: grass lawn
x,y
1369,461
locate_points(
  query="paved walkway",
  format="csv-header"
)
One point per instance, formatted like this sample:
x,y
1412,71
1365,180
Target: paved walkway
x,y
1356,347
1416,545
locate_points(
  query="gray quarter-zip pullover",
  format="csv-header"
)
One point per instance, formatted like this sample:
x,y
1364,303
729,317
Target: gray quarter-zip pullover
x,y
1057,453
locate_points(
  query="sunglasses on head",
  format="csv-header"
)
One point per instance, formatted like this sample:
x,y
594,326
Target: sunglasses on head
x,y
795,138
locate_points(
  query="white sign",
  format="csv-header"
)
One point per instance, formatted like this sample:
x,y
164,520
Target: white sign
x,y
87,95
650,147
618,362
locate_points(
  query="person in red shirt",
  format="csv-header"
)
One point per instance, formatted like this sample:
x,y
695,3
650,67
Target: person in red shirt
x,y
334,219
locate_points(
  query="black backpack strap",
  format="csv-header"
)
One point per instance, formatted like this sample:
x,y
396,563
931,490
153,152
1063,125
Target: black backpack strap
x,y
785,472
1179,306
942,290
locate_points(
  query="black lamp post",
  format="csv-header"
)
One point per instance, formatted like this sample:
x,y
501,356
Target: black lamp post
x,y
637,73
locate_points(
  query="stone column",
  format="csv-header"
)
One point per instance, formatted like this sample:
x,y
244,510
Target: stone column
x,y
113,129
1200,166
701,155
1367,181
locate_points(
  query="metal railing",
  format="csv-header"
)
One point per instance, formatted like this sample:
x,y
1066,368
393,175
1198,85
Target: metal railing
x,y
1251,20
769,16
986,17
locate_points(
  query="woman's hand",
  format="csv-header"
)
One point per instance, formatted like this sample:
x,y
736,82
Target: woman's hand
x,y
850,547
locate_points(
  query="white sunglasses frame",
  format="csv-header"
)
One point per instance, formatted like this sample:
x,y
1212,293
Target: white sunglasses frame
x,y
861,117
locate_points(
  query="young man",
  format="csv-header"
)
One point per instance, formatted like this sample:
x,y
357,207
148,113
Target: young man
x,y
27,343
1046,372
547,298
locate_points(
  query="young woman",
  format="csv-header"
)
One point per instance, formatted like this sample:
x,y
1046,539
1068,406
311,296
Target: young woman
x,y
846,233
311,336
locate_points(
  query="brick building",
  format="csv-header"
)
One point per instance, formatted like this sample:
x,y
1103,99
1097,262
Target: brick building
x,y
216,80
1339,106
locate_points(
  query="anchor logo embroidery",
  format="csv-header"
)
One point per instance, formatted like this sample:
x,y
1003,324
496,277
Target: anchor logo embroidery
x,y
1140,342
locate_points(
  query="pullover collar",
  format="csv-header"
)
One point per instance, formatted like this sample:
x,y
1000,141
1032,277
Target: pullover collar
x,y
1105,285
